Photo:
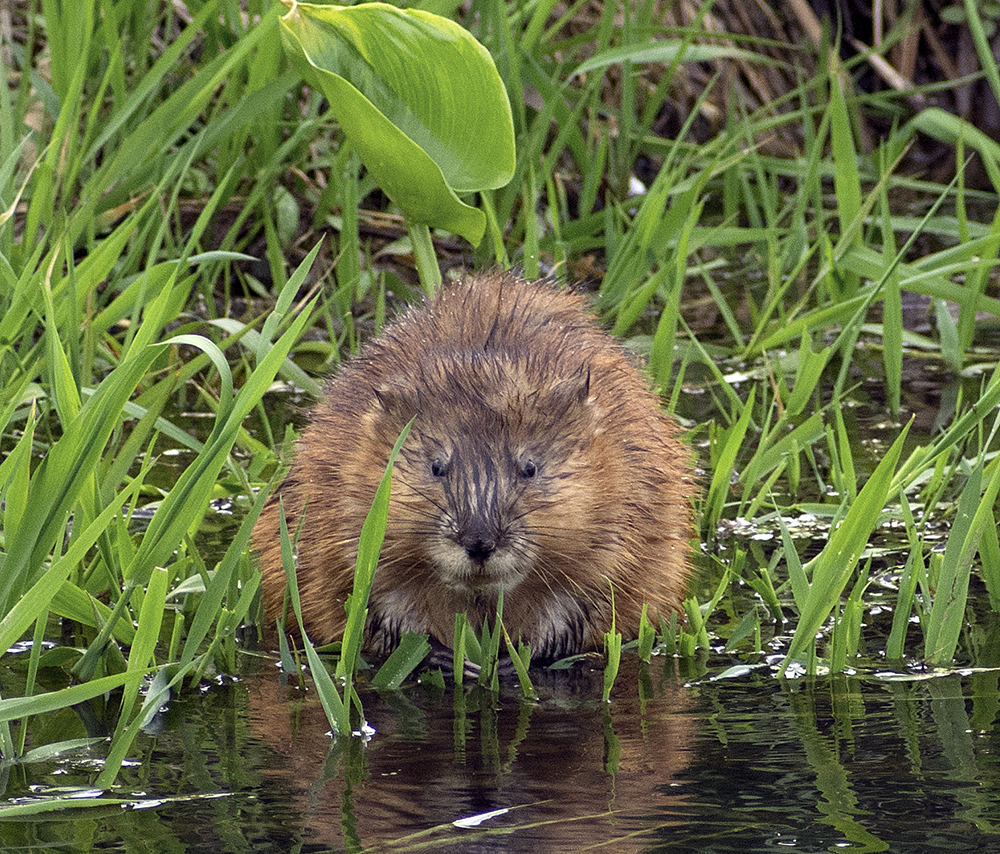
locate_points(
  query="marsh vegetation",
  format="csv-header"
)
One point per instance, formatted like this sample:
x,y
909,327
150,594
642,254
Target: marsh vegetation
x,y
804,255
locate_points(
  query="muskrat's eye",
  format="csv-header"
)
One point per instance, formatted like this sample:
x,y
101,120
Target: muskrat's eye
x,y
528,468
438,468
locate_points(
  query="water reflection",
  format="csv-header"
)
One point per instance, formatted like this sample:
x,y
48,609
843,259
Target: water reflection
x,y
569,771
852,763
678,762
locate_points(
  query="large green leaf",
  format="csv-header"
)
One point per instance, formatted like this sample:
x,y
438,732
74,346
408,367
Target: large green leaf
x,y
418,97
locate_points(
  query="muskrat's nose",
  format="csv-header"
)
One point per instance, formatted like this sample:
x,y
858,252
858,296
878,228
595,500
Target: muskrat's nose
x,y
478,537
480,550
479,546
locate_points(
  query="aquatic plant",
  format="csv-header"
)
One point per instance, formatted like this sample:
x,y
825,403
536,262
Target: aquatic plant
x,y
420,100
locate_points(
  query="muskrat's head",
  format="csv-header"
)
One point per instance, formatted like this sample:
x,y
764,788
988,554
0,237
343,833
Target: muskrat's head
x,y
497,471
477,495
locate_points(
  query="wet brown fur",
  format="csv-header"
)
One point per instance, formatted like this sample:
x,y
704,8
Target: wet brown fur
x,y
538,459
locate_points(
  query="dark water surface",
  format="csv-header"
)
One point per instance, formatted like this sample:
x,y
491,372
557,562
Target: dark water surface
x,y
679,762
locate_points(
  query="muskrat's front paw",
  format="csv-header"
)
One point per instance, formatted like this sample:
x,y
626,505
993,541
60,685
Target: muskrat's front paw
x,y
444,657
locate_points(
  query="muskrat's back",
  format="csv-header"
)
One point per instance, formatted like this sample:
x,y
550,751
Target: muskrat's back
x,y
538,460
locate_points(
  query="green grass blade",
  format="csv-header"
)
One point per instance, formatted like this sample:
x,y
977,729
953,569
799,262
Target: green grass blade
x,y
65,471
846,179
796,574
947,613
13,708
896,644
212,599
369,547
186,502
984,50
141,656
719,488
892,313
520,659
36,601
336,708
832,568
402,661
15,473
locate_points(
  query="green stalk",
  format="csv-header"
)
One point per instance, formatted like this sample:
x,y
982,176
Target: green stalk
x,y
425,256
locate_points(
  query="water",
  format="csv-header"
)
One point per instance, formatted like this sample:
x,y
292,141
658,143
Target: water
x,y
678,761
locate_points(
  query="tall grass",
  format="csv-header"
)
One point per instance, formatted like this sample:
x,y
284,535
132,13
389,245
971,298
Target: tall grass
x,y
99,266
136,173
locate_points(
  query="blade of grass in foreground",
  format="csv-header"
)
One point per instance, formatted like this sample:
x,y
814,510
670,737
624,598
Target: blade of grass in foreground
x,y
185,504
336,709
947,614
369,547
141,656
832,568
847,180
520,658
35,601
63,474
22,707
213,599
719,488
403,660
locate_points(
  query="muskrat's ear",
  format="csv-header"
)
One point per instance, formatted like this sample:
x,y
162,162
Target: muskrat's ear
x,y
394,399
572,391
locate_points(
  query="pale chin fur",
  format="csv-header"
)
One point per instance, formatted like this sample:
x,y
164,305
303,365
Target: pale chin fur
x,y
459,572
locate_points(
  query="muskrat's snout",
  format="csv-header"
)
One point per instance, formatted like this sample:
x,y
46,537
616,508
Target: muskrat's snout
x,y
477,503
475,550
478,541
476,547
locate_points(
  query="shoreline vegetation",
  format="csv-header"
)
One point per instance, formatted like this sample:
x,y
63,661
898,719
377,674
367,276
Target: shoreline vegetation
x,y
771,210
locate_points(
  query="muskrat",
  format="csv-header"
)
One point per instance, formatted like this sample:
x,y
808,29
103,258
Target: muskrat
x,y
538,460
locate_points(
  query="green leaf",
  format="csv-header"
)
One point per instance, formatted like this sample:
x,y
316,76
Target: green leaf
x,y
140,658
975,514
647,636
846,177
808,370
39,597
520,658
613,657
63,474
336,708
369,548
418,97
948,128
832,568
458,647
13,708
667,51
402,661
719,488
